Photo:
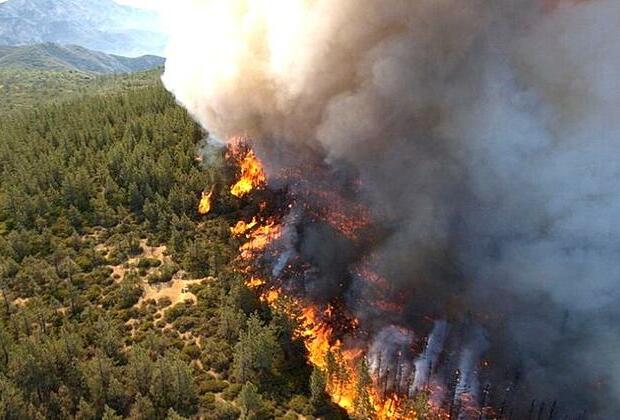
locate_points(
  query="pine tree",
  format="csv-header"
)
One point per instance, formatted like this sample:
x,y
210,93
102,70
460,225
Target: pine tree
x,y
250,401
139,371
142,409
258,354
318,397
364,408
5,349
173,415
110,414
13,405
173,386
418,407
231,322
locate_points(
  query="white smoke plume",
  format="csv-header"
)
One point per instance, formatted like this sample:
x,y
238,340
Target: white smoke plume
x,y
429,357
486,136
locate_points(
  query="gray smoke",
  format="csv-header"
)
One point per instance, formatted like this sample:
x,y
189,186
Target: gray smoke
x,y
486,137
430,356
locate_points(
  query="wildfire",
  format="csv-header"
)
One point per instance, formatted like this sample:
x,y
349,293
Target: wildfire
x,y
252,175
349,218
318,327
317,336
325,351
341,366
205,202
254,283
271,296
260,238
241,228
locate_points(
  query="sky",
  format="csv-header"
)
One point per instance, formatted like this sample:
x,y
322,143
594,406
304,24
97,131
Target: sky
x,y
146,4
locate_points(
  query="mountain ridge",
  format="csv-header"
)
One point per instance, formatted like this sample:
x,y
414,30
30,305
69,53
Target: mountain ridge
x,y
101,25
50,56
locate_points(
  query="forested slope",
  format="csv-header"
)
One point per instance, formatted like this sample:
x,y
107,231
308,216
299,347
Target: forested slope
x,y
117,299
51,56
25,89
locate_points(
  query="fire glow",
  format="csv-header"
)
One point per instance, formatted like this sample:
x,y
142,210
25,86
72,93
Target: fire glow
x,y
205,203
318,325
252,174
241,228
450,189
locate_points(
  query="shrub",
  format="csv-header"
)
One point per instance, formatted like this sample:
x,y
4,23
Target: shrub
x,y
192,350
164,275
208,400
231,392
298,403
164,302
224,411
185,323
147,263
212,385
216,355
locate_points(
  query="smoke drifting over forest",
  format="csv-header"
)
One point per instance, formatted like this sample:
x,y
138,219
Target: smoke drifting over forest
x,y
485,135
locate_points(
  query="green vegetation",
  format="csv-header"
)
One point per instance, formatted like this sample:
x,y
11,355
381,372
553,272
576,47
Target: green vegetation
x,y
98,226
24,89
51,56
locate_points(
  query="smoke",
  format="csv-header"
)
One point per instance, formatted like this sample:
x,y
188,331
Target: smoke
x,y
485,135
430,355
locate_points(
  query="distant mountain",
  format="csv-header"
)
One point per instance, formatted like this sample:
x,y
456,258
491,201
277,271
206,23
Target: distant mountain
x,y
101,25
56,57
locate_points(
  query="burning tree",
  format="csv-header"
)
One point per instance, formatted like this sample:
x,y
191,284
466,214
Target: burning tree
x,y
436,197
364,408
334,343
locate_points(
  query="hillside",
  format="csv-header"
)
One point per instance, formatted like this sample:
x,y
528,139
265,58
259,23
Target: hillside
x,y
100,25
117,300
23,89
51,56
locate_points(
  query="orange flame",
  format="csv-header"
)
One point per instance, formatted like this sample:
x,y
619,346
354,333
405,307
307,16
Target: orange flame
x,y
271,296
324,350
260,238
315,329
316,335
254,283
252,175
241,228
205,203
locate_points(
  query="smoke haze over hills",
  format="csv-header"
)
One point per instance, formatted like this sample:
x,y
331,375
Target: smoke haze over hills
x,y
101,25
71,57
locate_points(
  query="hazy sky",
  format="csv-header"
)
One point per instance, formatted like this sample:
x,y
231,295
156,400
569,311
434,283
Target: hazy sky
x,y
150,4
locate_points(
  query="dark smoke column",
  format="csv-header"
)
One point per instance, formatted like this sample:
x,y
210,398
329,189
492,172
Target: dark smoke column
x,y
484,136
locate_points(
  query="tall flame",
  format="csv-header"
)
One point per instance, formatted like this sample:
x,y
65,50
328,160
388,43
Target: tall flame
x,y
252,175
205,203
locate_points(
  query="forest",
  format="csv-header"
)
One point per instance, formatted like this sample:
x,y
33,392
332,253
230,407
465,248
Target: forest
x,y
117,299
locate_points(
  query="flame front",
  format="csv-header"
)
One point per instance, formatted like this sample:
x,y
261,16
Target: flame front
x,y
241,228
316,325
259,239
315,330
205,203
252,175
